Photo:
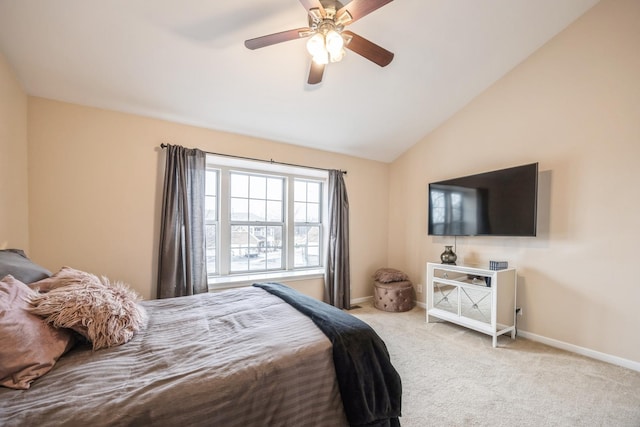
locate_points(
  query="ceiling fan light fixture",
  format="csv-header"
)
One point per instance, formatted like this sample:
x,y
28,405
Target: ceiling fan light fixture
x,y
316,45
337,57
327,37
334,42
321,58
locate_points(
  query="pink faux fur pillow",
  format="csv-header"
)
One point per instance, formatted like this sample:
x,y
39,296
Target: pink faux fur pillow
x,y
105,313
65,276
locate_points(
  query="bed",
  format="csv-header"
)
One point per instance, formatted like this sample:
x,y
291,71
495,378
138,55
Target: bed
x,y
241,357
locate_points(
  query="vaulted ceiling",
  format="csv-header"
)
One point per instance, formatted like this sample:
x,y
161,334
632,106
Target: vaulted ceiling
x,y
185,61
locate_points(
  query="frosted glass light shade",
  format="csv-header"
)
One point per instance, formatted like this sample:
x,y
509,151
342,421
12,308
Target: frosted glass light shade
x,y
321,58
338,57
315,45
334,42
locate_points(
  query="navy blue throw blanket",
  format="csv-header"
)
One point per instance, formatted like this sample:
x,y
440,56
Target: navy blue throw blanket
x,y
370,387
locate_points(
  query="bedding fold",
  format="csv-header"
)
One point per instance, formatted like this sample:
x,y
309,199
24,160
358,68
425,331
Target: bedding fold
x,y
370,387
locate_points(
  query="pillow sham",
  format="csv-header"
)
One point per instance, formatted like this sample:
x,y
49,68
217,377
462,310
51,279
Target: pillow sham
x,y
16,263
107,314
30,347
64,276
388,275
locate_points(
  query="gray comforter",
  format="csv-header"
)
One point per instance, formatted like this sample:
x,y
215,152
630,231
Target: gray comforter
x,y
224,359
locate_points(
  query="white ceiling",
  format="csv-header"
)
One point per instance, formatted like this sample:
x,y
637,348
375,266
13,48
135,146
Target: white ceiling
x,y
184,61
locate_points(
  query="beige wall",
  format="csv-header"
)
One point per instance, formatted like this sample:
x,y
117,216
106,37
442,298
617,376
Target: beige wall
x,y
95,191
574,107
14,213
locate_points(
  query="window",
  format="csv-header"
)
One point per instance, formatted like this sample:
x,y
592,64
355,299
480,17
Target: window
x,y
263,218
256,221
308,228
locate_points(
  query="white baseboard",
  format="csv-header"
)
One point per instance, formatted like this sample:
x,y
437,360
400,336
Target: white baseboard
x,y
361,300
604,357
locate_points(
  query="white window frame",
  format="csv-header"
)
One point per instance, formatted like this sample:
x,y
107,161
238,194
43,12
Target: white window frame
x,y
224,165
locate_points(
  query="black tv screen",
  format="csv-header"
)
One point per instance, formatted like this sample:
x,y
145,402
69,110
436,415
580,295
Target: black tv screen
x,y
497,203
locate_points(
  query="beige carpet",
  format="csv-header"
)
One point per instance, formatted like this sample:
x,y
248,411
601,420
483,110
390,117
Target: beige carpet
x,y
452,376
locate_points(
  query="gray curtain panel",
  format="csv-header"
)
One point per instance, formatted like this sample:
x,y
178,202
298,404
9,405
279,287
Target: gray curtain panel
x,y
337,280
182,264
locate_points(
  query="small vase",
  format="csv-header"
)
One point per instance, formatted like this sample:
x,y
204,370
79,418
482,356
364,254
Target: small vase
x,y
448,256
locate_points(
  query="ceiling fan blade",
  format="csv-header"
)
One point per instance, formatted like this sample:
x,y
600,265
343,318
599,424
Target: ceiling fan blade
x,y
310,4
315,73
275,38
359,8
369,50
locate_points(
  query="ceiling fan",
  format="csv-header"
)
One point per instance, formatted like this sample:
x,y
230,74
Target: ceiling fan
x,y
327,37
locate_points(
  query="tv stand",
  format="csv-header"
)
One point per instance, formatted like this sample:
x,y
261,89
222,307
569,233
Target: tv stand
x,y
477,298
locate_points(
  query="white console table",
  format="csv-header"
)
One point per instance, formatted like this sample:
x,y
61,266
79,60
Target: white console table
x,y
477,298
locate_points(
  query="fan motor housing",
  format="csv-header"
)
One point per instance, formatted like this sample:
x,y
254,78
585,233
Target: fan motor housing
x,y
330,8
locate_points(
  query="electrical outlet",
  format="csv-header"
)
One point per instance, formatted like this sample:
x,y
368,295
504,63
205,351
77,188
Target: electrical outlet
x,y
519,311
419,288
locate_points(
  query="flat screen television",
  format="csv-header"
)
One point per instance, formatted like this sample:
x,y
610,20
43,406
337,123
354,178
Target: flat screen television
x,y
496,203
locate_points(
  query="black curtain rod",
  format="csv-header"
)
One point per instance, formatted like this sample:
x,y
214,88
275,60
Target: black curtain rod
x,y
163,145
